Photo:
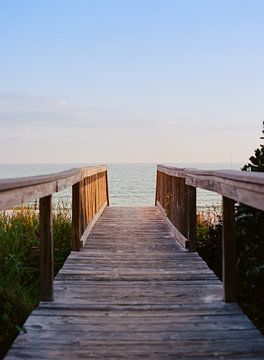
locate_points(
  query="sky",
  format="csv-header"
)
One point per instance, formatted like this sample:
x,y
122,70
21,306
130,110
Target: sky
x,y
106,81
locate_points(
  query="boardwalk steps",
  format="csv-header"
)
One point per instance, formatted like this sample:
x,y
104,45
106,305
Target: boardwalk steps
x,y
133,293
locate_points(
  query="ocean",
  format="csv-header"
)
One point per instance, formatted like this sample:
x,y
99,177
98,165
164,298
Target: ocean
x,y
129,184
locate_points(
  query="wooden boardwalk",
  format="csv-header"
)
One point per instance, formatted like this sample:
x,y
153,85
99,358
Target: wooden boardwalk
x,y
133,293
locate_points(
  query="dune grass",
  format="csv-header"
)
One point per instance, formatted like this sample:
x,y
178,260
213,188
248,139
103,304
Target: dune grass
x,y
250,263
19,262
19,265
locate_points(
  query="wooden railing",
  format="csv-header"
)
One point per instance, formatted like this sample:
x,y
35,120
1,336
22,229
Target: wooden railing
x,y
176,197
89,199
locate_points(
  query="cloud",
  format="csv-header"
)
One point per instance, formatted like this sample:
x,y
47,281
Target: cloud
x,y
28,112
237,127
21,102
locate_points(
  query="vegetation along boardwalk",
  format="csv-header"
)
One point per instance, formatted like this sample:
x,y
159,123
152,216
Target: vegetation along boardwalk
x,y
134,292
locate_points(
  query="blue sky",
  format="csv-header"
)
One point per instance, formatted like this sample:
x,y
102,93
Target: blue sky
x,y
130,80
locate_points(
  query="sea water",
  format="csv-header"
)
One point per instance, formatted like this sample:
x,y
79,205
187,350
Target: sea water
x,y
129,184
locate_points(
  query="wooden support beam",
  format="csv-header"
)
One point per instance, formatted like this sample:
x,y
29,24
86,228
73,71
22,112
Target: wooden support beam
x,y
46,249
191,217
107,188
82,208
229,251
157,187
76,216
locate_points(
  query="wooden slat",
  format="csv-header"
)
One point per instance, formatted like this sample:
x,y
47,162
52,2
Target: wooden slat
x,y
229,251
89,199
16,183
82,207
172,228
90,226
80,173
76,216
46,249
254,178
16,191
132,292
240,186
172,171
14,197
191,217
240,192
106,186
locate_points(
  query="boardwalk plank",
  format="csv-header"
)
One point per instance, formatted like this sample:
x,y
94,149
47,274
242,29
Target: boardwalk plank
x,y
134,293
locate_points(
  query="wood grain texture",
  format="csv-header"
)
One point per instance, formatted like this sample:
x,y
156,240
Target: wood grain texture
x,y
80,173
46,249
229,251
191,217
76,216
14,197
254,178
92,224
172,228
17,191
132,292
240,186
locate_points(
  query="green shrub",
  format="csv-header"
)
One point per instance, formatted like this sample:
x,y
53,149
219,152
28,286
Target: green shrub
x,y
250,240
19,265
209,239
250,236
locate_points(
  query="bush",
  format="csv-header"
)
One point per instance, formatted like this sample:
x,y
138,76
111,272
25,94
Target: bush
x,y
250,233
209,239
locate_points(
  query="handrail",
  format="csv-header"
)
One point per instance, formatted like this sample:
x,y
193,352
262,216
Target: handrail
x,y
14,183
236,175
19,190
89,199
176,198
241,186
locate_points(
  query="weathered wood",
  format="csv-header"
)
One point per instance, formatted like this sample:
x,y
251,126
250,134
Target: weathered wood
x,y
244,187
89,198
240,186
16,191
240,191
246,177
172,196
46,249
76,216
91,224
157,187
229,251
191,217
14,197
133,293
80,173
17,183
171,171
172,228
82,207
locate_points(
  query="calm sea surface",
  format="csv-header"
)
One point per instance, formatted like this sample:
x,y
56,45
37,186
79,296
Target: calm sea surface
x,y
129,184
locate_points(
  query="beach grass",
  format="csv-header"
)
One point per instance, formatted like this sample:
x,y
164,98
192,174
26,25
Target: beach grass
x,y
250,256
19,264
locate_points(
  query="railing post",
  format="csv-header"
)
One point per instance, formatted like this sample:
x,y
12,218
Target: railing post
x,y
157,187
85,202
191,217
229,251
46,249
76,216
107,189
82,212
